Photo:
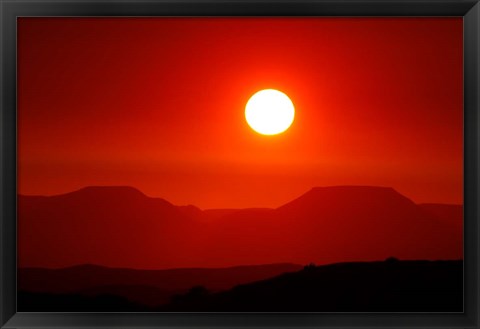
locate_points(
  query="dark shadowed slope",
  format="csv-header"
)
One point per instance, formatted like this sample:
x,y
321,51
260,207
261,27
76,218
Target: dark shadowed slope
x,y
150,287
121,227
447,212
389,286
451,216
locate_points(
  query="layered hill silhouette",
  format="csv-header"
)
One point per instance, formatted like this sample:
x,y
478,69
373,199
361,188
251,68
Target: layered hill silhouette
x,y
381,286
388,286
146,287
122,227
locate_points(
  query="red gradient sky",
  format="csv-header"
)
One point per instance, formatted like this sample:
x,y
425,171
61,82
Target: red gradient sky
x,y
158,104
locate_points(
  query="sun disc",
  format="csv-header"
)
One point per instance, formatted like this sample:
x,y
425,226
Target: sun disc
x,y
269,112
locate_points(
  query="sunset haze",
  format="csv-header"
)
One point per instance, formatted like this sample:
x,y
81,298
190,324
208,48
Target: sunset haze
x,y
158,104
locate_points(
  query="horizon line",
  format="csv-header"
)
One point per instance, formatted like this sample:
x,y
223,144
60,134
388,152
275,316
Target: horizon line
x,y
232,208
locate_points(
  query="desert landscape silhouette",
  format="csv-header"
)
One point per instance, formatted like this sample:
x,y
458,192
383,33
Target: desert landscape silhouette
x,y
240,164
359,248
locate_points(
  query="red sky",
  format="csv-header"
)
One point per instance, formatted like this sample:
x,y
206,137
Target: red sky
x,y
158,104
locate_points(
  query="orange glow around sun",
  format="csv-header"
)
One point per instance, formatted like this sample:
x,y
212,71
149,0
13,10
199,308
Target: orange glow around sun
x,y
172,107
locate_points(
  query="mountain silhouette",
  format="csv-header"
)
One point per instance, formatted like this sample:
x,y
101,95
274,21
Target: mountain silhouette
x,y
334,224
121,227
112,226
388,286
148,287
383,286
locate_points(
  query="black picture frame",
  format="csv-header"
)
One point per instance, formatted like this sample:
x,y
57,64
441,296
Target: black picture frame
x,y
10,10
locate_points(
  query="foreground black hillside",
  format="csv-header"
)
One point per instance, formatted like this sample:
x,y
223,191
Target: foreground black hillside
x,y
147,287
389,286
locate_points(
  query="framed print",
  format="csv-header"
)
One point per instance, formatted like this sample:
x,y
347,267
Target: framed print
x,y
240,164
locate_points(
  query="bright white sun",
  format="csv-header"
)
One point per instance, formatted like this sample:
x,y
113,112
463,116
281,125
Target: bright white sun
x,y
269,112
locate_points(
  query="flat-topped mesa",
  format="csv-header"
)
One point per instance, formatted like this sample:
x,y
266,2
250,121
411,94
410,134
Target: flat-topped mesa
x,y
121,227
108,190
334,196
104,194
